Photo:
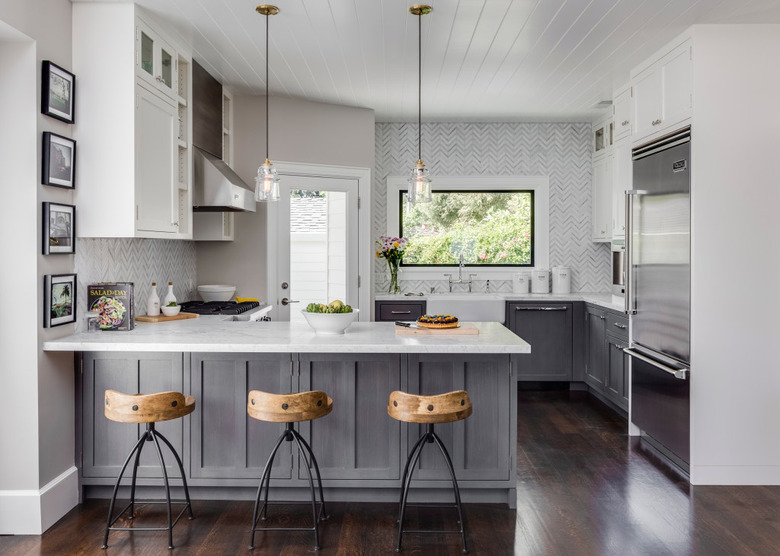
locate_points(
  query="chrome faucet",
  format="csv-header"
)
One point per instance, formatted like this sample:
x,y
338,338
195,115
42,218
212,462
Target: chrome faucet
x,y
460,279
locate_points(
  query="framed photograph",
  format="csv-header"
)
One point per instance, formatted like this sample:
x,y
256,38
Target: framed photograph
x,y
59,299
58,92
59,229
59,160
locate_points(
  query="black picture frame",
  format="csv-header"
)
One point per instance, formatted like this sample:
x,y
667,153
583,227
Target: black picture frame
x,y
59,229
59,299
58,92
58,167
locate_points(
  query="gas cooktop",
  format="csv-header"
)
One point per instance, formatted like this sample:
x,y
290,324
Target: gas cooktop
x,y
218,307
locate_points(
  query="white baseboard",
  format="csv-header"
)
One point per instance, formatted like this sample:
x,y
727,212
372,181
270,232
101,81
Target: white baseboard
x,y
31,512
735,475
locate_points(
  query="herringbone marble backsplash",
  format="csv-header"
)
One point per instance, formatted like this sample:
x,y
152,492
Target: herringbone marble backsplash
x,y
141,261
558,150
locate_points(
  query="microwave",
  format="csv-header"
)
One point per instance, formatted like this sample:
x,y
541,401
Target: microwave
x,y
618,268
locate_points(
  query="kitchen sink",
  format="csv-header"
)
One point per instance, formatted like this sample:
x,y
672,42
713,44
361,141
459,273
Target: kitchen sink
x,y
468,307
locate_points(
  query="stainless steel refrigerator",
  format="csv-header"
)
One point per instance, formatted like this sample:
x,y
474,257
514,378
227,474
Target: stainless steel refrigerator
x,y
658,293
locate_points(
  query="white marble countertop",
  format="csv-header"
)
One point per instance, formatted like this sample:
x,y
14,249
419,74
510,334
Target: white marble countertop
x,y
213,334
605,300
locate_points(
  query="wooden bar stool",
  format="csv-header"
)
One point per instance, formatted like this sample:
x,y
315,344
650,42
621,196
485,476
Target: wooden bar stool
x,y
428,410
289,409
149,409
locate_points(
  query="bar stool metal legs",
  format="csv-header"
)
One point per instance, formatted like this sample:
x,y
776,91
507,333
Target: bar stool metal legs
x,y
429,410
150,435
148,409
289,409
428,437
260,512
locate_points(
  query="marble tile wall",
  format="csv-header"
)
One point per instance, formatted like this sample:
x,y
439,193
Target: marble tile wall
x,y
141,261
558,150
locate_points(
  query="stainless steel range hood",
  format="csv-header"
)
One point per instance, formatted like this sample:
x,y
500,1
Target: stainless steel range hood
x,y
218,188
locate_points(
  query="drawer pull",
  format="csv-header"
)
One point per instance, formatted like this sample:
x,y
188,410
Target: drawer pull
x,y
656,122
624,123
622,326
561,308
400,312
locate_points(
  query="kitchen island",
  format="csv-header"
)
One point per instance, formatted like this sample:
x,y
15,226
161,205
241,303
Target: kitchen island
x,y
360,449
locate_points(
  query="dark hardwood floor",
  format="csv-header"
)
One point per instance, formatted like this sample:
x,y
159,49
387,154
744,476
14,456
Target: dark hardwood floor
x,y
583,489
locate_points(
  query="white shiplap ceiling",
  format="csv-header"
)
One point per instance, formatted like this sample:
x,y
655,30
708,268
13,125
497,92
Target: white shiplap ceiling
x,y
483,60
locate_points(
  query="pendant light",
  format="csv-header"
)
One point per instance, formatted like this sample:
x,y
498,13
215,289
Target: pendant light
x,y
419,180
267,180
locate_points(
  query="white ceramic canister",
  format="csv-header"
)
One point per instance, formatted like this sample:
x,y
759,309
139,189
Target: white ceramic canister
x,y
521,282
561,279
540,281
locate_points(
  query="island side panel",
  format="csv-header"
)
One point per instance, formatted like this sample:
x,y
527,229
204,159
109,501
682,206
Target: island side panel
x,y
225,442
357,441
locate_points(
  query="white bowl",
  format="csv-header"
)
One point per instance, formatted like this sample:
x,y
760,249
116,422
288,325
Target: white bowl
x,y
171,311
216,292
330,323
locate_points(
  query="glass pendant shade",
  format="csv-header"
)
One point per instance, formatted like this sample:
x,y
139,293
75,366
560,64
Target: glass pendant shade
x,y
266,183
419,184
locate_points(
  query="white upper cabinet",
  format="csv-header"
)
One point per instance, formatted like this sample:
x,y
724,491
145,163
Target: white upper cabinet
x,y
133,130
621,112
602,199
662,93
622,176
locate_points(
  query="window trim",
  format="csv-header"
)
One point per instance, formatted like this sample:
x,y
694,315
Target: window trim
x,y
540,185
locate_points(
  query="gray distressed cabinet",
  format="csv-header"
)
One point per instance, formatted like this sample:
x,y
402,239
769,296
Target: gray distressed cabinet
x,y
606,366
548,327
481,446
225,442
104,443
357,440
360,449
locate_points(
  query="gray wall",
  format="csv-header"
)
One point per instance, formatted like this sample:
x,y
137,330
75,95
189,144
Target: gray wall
x,y
36,390
558,150
301,131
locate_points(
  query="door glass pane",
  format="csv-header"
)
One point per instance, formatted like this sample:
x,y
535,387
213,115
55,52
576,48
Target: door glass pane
x,y
167,68
147,53
318,248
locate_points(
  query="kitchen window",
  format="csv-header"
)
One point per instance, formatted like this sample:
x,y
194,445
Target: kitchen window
x,y
508,206
484,227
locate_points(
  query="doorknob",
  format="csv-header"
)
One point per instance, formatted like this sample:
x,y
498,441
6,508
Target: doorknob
x,y
286,301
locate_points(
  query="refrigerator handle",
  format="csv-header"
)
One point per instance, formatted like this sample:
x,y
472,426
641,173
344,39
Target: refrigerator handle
x,y
628,267
682,373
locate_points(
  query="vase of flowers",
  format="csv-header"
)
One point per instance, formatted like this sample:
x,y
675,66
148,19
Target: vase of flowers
x,y
392,250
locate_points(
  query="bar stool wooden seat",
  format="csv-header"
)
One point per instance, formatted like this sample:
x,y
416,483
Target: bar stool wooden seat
x,y
429,410
149,409
289,409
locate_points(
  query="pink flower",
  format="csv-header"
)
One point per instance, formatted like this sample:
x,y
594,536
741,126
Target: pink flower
x,y
482,256
502,254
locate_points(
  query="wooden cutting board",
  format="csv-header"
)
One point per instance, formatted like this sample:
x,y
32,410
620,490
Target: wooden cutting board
x,y
163,318
465,328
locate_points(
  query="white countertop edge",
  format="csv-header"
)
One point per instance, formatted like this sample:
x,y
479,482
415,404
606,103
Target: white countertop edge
x,y
204,336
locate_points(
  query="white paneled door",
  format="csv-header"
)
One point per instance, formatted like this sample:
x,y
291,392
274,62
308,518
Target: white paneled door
x,y
317,242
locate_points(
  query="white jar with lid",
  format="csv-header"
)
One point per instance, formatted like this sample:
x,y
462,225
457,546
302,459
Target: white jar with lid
x,y
521,282
561,279
540,281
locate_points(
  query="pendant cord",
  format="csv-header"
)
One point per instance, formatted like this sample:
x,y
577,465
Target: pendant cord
x,y
419,87
267,123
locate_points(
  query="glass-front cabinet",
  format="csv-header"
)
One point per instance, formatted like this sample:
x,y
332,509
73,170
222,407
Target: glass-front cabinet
x,y
156,60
